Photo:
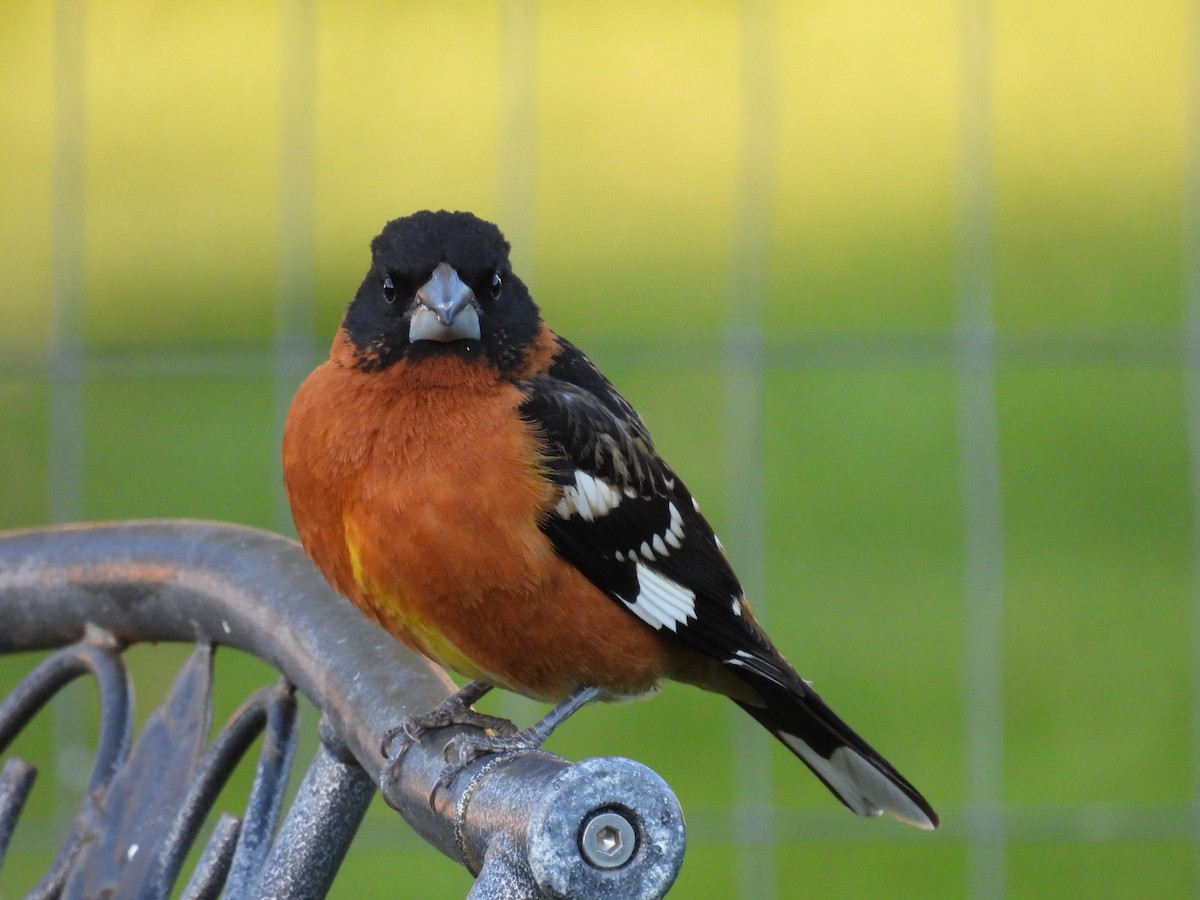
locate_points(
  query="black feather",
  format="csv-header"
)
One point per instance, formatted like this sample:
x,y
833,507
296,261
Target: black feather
x,y
587,426
801,714
406,252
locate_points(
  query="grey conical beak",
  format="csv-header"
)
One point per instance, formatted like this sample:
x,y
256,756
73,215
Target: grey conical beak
x,y
444,309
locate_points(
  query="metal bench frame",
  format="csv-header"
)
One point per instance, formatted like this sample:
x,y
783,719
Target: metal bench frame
x,y
526,825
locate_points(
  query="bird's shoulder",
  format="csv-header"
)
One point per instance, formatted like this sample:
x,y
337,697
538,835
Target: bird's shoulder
x,y
587,424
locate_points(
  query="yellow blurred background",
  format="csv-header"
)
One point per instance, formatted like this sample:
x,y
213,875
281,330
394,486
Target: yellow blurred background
x,y
907,292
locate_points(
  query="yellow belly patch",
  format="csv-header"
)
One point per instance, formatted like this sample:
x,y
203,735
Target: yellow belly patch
x,y
390,610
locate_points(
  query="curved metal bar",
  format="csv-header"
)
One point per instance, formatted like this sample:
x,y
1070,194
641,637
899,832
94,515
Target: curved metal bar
x,y
524,819
125,823
16,781
330,805
272,709
266,794
213,867
241,587
96,655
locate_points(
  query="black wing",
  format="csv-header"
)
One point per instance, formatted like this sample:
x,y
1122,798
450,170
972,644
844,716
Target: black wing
x,y
630,525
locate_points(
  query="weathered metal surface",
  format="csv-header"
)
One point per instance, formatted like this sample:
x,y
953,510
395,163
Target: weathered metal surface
x,y
520,822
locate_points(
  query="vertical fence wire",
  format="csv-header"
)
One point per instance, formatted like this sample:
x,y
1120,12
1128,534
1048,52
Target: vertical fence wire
x,y
979,460
742,368
743,362
67,275
1191,340
517,158
294,348
516,175
65,362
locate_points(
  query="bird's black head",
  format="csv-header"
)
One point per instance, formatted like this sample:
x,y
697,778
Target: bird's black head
x,y
440,283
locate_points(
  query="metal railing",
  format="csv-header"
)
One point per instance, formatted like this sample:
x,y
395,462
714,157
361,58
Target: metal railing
x,y
526,825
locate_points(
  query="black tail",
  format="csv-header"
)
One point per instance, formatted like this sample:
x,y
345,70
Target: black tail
x,y
858,776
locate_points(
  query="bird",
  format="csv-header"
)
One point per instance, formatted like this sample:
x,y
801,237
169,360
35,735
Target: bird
x,y
470,481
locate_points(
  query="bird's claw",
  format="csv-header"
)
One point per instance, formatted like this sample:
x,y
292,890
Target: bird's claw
x,y
409,731
463,749
451,711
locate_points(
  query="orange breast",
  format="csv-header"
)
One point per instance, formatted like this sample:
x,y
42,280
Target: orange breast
x,y
417,492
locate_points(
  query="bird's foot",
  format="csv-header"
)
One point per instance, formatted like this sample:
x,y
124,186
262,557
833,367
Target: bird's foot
x,y
464,748
454,710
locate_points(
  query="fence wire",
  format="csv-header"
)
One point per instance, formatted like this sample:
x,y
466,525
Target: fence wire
x,y
974,352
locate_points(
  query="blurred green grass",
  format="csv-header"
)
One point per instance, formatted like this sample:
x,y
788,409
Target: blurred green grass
x,y
635,145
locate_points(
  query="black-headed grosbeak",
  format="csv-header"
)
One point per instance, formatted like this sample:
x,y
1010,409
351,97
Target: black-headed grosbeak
x,y
473,483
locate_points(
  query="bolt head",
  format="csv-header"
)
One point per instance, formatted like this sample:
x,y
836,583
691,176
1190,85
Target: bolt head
x,y
609,840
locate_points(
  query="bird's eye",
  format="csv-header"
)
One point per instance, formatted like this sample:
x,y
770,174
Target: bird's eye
x,y
497,283
389,289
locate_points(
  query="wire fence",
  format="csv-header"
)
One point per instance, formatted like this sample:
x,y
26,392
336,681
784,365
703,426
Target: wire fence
x,y
974,353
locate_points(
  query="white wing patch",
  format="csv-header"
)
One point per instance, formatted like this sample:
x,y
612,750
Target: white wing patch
x,y
589,497
674,533
661,602
657,547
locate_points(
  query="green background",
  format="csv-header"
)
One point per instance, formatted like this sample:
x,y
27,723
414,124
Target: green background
x,y
186,188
